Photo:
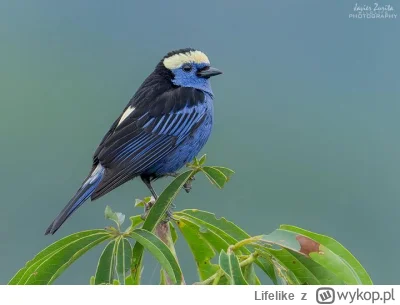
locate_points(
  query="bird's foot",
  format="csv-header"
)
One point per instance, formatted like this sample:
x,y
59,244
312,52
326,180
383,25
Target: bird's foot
x,y
169,215
188,185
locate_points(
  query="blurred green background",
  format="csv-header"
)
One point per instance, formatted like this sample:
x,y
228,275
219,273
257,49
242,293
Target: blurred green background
x,y
307,113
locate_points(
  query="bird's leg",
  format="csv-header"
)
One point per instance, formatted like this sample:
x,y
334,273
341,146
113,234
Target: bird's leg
x,y
149,205
146,180
187,186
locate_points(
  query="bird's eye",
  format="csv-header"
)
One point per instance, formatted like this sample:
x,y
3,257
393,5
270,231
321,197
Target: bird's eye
x,y
187,67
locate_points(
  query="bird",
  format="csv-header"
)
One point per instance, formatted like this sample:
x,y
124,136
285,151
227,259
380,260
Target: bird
x,y
163,127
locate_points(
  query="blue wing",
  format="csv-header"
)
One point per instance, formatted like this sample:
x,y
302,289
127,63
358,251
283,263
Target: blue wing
x,y
148,135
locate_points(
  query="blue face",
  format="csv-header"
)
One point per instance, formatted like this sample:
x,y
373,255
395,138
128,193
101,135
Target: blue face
x,y
187,76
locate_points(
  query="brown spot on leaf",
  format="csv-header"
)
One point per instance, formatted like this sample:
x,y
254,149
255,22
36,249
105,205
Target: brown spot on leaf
x,y
307,245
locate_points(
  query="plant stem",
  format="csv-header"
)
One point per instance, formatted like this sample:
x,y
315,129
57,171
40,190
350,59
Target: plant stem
x,y
216,279
164,233
217,275
212,278
245,242
252,257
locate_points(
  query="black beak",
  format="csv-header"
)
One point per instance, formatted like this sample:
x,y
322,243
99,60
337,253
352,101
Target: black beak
x,y
208,72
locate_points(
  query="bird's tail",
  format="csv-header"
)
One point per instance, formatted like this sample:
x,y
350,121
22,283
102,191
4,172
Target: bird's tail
x,y
84,192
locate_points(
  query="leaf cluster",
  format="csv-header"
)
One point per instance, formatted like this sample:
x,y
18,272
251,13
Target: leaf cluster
x,y
288,255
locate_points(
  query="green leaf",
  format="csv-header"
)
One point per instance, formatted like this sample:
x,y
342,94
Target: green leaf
x,y
163,280
92,279
207,236
306,270
156,214
46,266
215,176
161,252
313,250
230,265
201,249
226,171
265,265
250,275
202,229
194,163
227,230
139,203
164,201
284,275
174,234
49,250
123,259
142,202
336,248
117,217
115,282
202,160
106,265
135,221
130,281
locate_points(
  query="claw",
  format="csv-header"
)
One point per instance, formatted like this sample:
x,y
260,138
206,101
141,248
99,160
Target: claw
x,y
169,215
188,185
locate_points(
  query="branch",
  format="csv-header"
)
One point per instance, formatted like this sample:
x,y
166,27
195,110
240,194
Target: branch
x,y
220,273
164,233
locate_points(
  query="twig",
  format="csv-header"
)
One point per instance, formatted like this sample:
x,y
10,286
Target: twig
x,y
245,242
220,273
164,233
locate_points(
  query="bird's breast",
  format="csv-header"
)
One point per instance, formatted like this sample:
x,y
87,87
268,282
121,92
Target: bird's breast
x,y
190,147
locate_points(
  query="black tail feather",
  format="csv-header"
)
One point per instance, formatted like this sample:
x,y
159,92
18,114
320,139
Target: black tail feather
x,y
80,197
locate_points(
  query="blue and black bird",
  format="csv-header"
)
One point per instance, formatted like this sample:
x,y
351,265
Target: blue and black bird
x,y
163,127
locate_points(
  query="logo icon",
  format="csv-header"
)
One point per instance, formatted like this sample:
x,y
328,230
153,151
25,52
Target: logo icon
x,y
325,295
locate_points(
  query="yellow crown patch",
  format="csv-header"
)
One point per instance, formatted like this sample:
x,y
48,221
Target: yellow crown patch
x,y
177,60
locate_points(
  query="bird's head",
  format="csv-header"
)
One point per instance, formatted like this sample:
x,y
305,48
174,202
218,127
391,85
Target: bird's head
x,y
189,68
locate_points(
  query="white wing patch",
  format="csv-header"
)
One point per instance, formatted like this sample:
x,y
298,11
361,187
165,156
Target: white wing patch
x,y
98,170
126,114
177,60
